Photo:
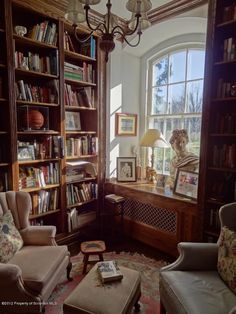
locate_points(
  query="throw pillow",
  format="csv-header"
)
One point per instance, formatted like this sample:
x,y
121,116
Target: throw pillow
x,y
10,238
227,257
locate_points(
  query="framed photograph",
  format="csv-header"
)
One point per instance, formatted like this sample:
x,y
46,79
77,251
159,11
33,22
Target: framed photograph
x,y
26,152
126,169
73,121
186,184
126,124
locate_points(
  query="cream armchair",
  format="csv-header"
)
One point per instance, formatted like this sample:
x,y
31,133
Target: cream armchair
x,y
192,283
28,279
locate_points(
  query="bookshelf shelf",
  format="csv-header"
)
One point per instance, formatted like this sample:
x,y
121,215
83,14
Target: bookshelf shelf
x,y
31,42
225,63
224,99
80,157
35,74
49,212
81,204
2,30
233,170
3,132
51,132
223,135
35,189
79,83
226,24
77,56
34,103
77,108
3,99
37,161
82,180
2,66
4,164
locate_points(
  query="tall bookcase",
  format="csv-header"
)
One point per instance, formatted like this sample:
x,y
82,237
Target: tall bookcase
x,y
218,155
45,111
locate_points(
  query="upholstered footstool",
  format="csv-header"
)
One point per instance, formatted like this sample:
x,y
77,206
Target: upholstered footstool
x,y
91,296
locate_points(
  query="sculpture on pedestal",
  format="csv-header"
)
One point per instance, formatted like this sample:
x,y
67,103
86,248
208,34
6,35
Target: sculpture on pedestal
x,y
183,158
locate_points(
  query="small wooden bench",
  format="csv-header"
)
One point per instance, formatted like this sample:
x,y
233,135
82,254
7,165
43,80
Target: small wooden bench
x,y
92,248
91,296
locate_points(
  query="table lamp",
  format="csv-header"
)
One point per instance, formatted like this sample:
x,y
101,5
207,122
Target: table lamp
x,y
153,138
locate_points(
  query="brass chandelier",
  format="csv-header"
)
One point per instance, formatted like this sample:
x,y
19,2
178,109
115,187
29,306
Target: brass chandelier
x,y
110,28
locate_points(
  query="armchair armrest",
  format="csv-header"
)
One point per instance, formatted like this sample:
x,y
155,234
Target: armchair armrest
x,y
195,256
39,235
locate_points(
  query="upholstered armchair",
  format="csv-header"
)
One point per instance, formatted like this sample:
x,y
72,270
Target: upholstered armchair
x,y
29,277
192,283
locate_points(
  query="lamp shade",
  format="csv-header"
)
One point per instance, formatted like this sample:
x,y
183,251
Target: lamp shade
x,y
153,138
138,6
75,12
90,2
143,22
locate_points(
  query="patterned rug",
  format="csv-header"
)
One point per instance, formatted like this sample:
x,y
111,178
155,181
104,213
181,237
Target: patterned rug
x,y
149,269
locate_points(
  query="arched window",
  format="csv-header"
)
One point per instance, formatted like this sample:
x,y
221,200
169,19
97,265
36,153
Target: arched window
x,y
174,99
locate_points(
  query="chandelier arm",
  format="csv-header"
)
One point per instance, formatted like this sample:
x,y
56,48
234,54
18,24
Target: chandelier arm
x,y
79,39
93,29
128,43
118,27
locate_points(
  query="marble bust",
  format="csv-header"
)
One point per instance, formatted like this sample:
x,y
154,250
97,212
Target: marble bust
x,y
183,158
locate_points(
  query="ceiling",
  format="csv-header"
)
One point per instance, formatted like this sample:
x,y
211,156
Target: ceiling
x,y
119,7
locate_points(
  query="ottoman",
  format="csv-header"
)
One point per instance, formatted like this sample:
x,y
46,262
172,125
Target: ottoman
x,y
93,297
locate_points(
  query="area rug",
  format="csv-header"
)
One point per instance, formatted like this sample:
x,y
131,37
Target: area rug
x,y
149,269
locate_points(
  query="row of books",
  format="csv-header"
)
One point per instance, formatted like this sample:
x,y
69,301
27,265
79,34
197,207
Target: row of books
x,y
36,93
224,156
229,51
80,193
80,169
222,188
225,123
30,177
44,201
225,89
87,48
50,147
34,62
229,13
80,146
45,32
85,73
36,222
79,97
77,220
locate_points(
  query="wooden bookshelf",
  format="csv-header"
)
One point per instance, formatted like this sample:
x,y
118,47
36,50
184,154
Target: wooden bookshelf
x,y
36,90
218,145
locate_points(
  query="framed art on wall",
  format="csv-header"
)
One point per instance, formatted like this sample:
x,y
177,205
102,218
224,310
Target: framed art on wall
x,y
73,121
186,184
126,169
126,124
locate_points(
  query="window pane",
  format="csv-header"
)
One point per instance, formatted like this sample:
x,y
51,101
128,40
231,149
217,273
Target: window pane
x,y
157,124
168,157
194,96
158,159
176,98
177,66
172,124
196,61
193,126
160,72
159,100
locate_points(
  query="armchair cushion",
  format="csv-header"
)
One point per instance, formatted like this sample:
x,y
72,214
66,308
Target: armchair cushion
x,y
10,238
227,257
31,259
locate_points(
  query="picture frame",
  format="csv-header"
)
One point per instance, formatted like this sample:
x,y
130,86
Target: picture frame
x,y
73,121
126,124
126,169
26,153
186,184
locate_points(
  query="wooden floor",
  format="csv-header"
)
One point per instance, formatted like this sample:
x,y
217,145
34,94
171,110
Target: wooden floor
x,y
128,245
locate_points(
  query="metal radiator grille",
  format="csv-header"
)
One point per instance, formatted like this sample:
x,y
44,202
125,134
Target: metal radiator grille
x,y
160,218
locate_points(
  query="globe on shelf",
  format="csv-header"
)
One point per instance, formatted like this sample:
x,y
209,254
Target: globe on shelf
x,y
33,119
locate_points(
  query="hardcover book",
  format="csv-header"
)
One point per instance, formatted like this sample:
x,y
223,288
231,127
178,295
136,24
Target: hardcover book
x,y
109,271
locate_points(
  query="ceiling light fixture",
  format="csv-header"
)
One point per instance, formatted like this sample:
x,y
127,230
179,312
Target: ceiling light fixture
x,y
110,28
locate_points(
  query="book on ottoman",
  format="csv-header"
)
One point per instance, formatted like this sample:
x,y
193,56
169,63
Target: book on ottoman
x,y
109,271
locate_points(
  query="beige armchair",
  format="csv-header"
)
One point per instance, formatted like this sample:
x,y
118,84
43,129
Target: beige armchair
x,y
192,284
28,279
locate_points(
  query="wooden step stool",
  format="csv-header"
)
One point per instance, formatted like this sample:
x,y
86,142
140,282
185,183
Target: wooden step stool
x,y
92,248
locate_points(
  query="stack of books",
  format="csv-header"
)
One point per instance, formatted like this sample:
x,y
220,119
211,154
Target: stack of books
x,y
109,271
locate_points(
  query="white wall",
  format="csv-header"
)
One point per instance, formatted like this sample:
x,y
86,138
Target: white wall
x,y
127,78
123,97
